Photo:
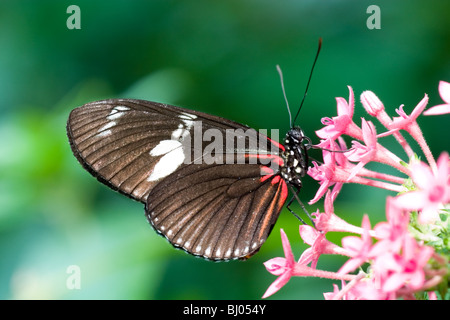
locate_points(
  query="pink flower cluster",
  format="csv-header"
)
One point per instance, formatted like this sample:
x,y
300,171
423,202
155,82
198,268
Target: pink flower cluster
x,y
408,254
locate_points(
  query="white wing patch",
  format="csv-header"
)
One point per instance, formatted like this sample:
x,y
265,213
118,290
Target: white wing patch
x,y
104,131
172,159
183,128
115,113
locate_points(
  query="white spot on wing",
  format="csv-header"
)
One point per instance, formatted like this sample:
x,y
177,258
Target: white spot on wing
x,y
103,131
117,112
172,159
183,128
187,116
107,126
121,108
180,134
164,147
113,116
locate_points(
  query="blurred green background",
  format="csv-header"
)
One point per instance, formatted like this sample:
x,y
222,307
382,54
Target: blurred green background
x,y
213,56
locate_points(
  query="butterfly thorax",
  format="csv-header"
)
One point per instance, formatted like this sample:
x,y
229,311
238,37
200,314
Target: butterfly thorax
x,y
295,156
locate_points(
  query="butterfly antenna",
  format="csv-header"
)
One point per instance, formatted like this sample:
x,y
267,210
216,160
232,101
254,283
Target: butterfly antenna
x,y
284,94
309,80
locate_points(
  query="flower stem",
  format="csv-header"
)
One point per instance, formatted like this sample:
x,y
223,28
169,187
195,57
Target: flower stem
x,y
301,270
380,176
416,133
376,183
349,286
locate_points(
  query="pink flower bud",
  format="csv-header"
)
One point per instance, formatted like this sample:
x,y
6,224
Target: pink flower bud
x,y
371,103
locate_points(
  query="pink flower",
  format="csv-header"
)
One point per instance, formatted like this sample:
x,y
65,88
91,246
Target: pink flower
x,y
375,108
367,290
328,221
282,267
444,91
359,248
342,124
405,268
433,189
319,245
392,259
329,173
332,295
364,153
409,124
432,295
360,288
371,151
343,294
336,170
285,268
404,121
371,103
391,233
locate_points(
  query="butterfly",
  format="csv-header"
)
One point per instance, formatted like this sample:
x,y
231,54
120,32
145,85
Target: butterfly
x,y
211,186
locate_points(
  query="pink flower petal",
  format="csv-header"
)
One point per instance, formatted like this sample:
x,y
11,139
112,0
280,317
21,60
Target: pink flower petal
x,y
287,249
444,91
404,120
416,279
352,243
277,285
308,234
394,282
276,266
412,200
350,265
421,175
429,215
420,107
438,110
307,256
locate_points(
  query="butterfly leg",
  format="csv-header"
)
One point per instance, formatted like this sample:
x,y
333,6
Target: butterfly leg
x,y
291,211
295,192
